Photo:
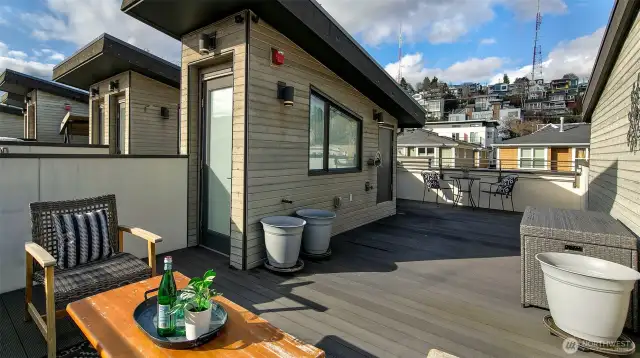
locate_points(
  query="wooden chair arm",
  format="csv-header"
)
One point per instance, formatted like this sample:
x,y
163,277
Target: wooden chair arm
x,y
141,233
39,254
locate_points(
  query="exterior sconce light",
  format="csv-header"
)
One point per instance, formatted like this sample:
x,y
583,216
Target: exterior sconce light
x,y
95,92
114,86
207,43
277,57
164,112
285,93
378,117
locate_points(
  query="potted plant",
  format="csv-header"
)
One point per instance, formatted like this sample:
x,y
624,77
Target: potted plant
x,y
465,172
195,301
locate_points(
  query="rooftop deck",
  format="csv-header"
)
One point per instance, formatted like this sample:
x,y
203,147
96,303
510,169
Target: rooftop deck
x,y
429,277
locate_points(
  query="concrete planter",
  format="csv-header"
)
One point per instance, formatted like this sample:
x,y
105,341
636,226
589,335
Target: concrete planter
x,y
282,238
196,323
317,234
588,297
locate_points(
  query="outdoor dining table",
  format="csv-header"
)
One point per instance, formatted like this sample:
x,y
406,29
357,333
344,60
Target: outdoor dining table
x,y
106,319
458,183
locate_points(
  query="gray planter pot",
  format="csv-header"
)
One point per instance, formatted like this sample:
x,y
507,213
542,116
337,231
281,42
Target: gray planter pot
x,y
588,297
282,237
317,234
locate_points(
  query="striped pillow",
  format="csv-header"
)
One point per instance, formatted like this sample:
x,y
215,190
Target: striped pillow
x,y
82,238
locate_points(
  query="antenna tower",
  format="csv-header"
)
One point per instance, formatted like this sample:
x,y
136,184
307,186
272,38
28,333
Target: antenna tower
x,y
399,55
536,68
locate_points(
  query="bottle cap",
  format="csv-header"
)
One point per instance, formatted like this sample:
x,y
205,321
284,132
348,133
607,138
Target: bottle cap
x,y
168,259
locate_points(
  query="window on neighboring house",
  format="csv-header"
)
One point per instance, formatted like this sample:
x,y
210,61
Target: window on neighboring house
x,y
402,152
431,151
532,158
473,137
334,137
422,152
455,136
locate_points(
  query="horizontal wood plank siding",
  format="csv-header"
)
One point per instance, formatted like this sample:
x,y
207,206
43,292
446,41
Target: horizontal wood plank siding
x,y
508,158
49,113
104,97
279,140
11,125
149,133
230,43
614,186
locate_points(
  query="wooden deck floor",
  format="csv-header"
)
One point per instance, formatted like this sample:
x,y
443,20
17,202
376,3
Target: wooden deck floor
x,y
429,277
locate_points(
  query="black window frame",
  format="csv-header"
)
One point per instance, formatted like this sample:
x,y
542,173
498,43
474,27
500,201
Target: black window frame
x,y
328,103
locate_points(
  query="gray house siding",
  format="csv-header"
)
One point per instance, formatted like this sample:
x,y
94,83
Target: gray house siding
x,y
11,125
614,186
49,113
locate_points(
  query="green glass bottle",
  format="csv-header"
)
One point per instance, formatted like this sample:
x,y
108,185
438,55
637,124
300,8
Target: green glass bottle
x,y
167,295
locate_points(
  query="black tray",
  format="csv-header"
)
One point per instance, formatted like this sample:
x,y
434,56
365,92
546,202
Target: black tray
x,y
146,314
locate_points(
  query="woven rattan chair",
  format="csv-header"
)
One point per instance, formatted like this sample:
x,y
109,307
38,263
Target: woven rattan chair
x,y
68,285
504,188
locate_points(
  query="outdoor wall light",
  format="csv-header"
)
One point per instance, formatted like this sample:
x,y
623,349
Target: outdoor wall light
x,y
114,86
164,112
95,92
207,43
285,93
378,117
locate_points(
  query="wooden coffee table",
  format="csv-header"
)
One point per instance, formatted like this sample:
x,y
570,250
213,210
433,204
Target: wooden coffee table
x,y
107,321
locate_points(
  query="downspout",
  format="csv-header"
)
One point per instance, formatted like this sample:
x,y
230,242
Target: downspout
x,y
247,19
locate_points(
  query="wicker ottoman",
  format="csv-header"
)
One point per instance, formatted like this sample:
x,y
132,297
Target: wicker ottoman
x,y
586,233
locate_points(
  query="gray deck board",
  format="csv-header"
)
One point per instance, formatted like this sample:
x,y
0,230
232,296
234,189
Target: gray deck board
x,y
429,277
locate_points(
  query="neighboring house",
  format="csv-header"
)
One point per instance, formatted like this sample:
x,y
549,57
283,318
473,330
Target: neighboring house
x,y
500,89
458,115
453,153
12,99
563,84
609,105
482,116
134,96
482,103
46,105
553,147
510,113
434,109
11,121
280,94
477,131
536,91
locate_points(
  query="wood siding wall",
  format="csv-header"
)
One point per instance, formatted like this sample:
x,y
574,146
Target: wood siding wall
x,y
614,186
149,133
230,48
279,139
105,97
508,158
11,125
49,113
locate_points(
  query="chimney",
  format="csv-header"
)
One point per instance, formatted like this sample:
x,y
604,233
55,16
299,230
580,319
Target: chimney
x,y
561,124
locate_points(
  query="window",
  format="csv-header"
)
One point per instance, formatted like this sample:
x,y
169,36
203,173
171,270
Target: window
x,y
120,120
100,136
532,158
422,151
455,135
334,137
473,137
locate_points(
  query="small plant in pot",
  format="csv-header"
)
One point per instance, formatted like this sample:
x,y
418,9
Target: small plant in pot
x,y
465,172
196,301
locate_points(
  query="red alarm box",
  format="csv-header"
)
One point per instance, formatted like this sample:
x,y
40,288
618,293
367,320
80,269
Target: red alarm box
x,y
277,57
67,107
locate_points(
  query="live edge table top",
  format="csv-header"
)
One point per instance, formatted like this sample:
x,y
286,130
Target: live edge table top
x,y
107,321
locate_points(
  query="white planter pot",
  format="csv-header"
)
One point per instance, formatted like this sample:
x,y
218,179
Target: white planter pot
x,y
588,297
316,236
282,238
196,323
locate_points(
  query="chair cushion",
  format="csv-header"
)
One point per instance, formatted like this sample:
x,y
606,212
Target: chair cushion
x,y
506,184
82,238
431,180
95,277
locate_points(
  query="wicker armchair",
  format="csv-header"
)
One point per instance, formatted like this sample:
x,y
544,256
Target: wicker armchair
x,y
504,188
68,285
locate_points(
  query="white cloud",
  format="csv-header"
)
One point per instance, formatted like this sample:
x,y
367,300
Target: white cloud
x,y
577,56
414,69
16,54
488,41
80,21
56,56
8,59
438,21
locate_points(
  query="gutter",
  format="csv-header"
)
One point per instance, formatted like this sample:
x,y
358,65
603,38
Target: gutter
x,y
541,145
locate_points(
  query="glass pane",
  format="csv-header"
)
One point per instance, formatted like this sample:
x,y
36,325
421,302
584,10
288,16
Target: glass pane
x,y
539,163
343,140
581,153
421,150
99,125
526,163
316,133
525,153
430,150
121,127
538,153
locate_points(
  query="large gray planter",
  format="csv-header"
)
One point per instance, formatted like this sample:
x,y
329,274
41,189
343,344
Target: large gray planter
x,y
588,297
282,237
317,234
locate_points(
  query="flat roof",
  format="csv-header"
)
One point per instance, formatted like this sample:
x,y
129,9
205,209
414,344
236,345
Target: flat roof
x,y
620,22
425,138
20,84
573,134
10,109
12,99
107,56
307,24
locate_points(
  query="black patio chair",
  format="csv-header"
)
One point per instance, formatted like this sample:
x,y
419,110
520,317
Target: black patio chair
x,y
432,181
504,188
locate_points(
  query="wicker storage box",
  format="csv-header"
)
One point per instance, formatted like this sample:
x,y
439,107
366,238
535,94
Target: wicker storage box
x,y
586,233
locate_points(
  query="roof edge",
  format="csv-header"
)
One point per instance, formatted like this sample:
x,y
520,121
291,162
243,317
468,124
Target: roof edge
x,y
620,21
540,144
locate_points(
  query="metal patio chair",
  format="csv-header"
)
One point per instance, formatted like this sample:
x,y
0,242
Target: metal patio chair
x,y
504,188
71,284
432,180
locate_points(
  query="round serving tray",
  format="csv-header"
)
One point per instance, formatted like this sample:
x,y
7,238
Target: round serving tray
x,y
146,315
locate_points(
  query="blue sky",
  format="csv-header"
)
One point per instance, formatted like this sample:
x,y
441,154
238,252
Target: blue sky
x,y
457,40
